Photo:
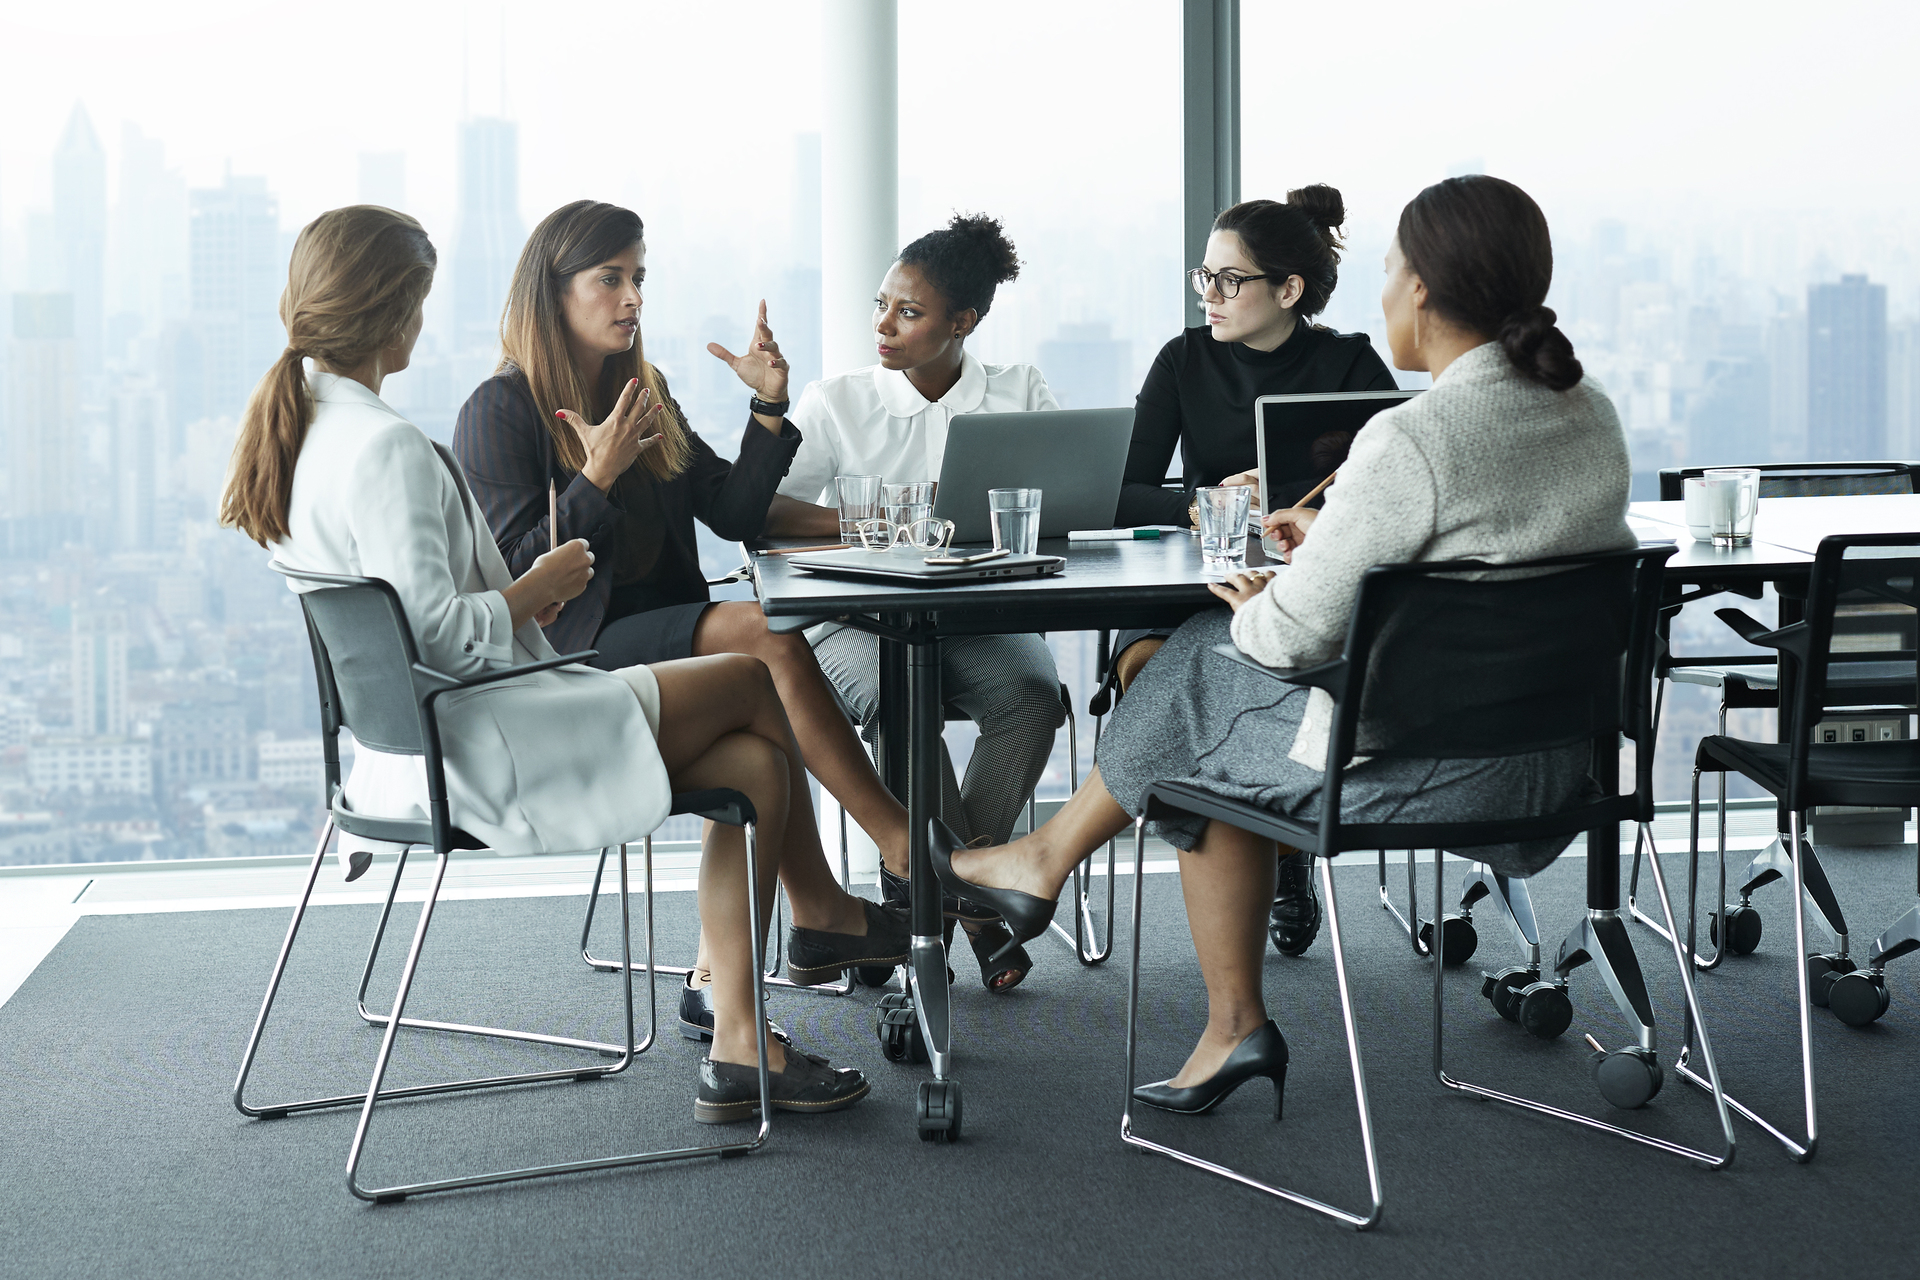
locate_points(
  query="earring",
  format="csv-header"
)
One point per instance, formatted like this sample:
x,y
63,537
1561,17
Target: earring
x,y
1416,328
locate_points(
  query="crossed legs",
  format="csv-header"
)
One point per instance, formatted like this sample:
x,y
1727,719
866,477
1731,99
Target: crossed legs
x,y
722,725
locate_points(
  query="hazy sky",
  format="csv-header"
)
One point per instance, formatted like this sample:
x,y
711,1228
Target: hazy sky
x,y
1732,103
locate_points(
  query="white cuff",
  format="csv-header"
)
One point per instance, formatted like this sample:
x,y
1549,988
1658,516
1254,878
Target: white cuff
x,y
497,644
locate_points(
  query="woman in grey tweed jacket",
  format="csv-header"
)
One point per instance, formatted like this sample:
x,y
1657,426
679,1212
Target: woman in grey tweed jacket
x,y
1511,455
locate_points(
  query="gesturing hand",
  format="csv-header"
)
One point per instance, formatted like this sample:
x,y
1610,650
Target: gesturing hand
x,y
629,431
762,368
563,572
1240,588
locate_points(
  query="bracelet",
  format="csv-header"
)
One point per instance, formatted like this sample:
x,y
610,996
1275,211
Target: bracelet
x,y
770,409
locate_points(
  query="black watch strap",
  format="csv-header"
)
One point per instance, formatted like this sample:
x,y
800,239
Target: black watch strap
x,y
772,409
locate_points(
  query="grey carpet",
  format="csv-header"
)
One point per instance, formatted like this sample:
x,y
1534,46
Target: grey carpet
x,y
122,1155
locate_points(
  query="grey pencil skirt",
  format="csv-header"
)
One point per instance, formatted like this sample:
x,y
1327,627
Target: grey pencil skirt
x,y
1195,716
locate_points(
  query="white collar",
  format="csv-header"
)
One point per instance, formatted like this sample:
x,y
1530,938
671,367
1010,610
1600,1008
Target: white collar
x,y
899,398
333,387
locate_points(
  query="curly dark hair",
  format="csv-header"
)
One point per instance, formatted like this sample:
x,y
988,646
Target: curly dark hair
x,y
965,261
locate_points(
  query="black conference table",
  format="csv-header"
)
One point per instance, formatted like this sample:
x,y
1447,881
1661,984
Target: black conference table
x,y
1112,585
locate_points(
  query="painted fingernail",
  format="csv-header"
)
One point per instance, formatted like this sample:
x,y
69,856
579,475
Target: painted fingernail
x,y
560,414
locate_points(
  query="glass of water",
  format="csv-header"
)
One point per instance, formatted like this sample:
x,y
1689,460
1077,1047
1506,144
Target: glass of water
x,y
1223,524
1015,516
904,505
859,500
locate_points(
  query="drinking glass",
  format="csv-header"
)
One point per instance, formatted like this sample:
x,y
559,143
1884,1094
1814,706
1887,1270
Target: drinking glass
x,y
1015,517
859,500
1733,497
906,504
1223,524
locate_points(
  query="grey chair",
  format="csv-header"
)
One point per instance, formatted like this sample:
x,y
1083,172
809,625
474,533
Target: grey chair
x,y
1448,667
372,682
1750,681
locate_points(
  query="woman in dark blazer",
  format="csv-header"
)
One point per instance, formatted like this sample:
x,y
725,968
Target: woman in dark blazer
x,y
575,406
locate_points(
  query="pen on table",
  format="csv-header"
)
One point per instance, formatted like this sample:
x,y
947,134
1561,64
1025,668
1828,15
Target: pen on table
x,y
794,551
1113,535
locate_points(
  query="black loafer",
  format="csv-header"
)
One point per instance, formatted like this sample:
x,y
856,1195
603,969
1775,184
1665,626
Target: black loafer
x,y
1293,922
894,893
730,1092
696,1015
815,956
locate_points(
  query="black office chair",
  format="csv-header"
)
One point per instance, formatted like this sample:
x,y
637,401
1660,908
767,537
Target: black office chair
x,y
1735,927
1802,773
372,682
1440,666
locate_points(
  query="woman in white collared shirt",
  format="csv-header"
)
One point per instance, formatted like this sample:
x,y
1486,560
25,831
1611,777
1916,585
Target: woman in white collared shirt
x,y
890,420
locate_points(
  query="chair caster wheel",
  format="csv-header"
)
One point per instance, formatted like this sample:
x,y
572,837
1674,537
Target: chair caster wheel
x,y
1546,1012
1502,989
937,1111
1822,973
1743,928
873,975
1458,940
1628,1079
1858,999
898,1027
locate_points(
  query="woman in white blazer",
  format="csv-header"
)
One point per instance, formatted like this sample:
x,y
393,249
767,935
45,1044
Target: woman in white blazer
x,y
332,480
890,420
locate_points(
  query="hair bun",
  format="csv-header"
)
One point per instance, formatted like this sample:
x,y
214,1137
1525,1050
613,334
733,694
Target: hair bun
x,y
1538,349
1324,208
985,237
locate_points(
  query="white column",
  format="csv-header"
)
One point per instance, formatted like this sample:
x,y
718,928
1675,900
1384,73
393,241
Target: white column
x,y
859,174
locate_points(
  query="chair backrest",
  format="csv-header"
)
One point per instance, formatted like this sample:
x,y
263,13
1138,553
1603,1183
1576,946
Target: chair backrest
x,y
1514,659
1808,479
1859,578
363,656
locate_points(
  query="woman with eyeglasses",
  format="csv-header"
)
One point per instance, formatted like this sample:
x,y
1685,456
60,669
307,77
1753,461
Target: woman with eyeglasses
x,y
575,411
1270,268
890,420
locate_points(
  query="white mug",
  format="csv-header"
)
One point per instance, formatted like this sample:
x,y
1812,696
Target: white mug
x,y
1699,522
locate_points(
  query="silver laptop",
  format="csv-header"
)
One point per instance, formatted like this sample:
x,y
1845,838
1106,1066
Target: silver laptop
x,y
1075,457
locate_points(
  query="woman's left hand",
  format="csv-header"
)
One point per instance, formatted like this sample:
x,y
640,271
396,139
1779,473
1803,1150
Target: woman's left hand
x,y
762,368
1240,588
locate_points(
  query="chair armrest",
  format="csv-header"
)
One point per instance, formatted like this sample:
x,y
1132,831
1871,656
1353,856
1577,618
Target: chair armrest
x,y
449,684
1328,675
1793,639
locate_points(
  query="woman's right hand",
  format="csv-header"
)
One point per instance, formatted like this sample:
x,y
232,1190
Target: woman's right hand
x,y
555,578
1289,527
629,431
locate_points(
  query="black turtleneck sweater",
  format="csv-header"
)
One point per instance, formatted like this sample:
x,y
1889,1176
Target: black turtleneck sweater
x,y
1199,395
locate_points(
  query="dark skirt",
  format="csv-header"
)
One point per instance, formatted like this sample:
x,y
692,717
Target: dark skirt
x,y
1195,716
658,635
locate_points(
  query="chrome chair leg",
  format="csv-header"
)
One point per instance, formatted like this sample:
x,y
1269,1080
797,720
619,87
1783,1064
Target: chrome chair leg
x,y
1798,1152
281,1109
1511,898
1085,926
844,987
1358,1221
393,1194
1681,957
1406,922
1645,838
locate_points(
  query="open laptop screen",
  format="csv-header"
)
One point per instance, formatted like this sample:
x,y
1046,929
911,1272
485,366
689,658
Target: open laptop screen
x,y
1304,438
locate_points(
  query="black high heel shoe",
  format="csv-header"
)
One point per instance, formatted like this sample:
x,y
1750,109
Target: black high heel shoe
x,y
1000,969
1027,917
1264,1053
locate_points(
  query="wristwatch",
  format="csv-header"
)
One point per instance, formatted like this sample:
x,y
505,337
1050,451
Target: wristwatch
x,y
771,409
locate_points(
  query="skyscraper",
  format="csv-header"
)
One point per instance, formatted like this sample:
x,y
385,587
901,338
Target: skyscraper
x,y
43,421
1786,342
138,457
148,248
80,231
236,274
99,674
1847,370
490,234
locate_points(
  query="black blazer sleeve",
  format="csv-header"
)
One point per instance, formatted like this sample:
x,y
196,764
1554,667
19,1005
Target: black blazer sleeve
x,y
504,448
731,498
1156,433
